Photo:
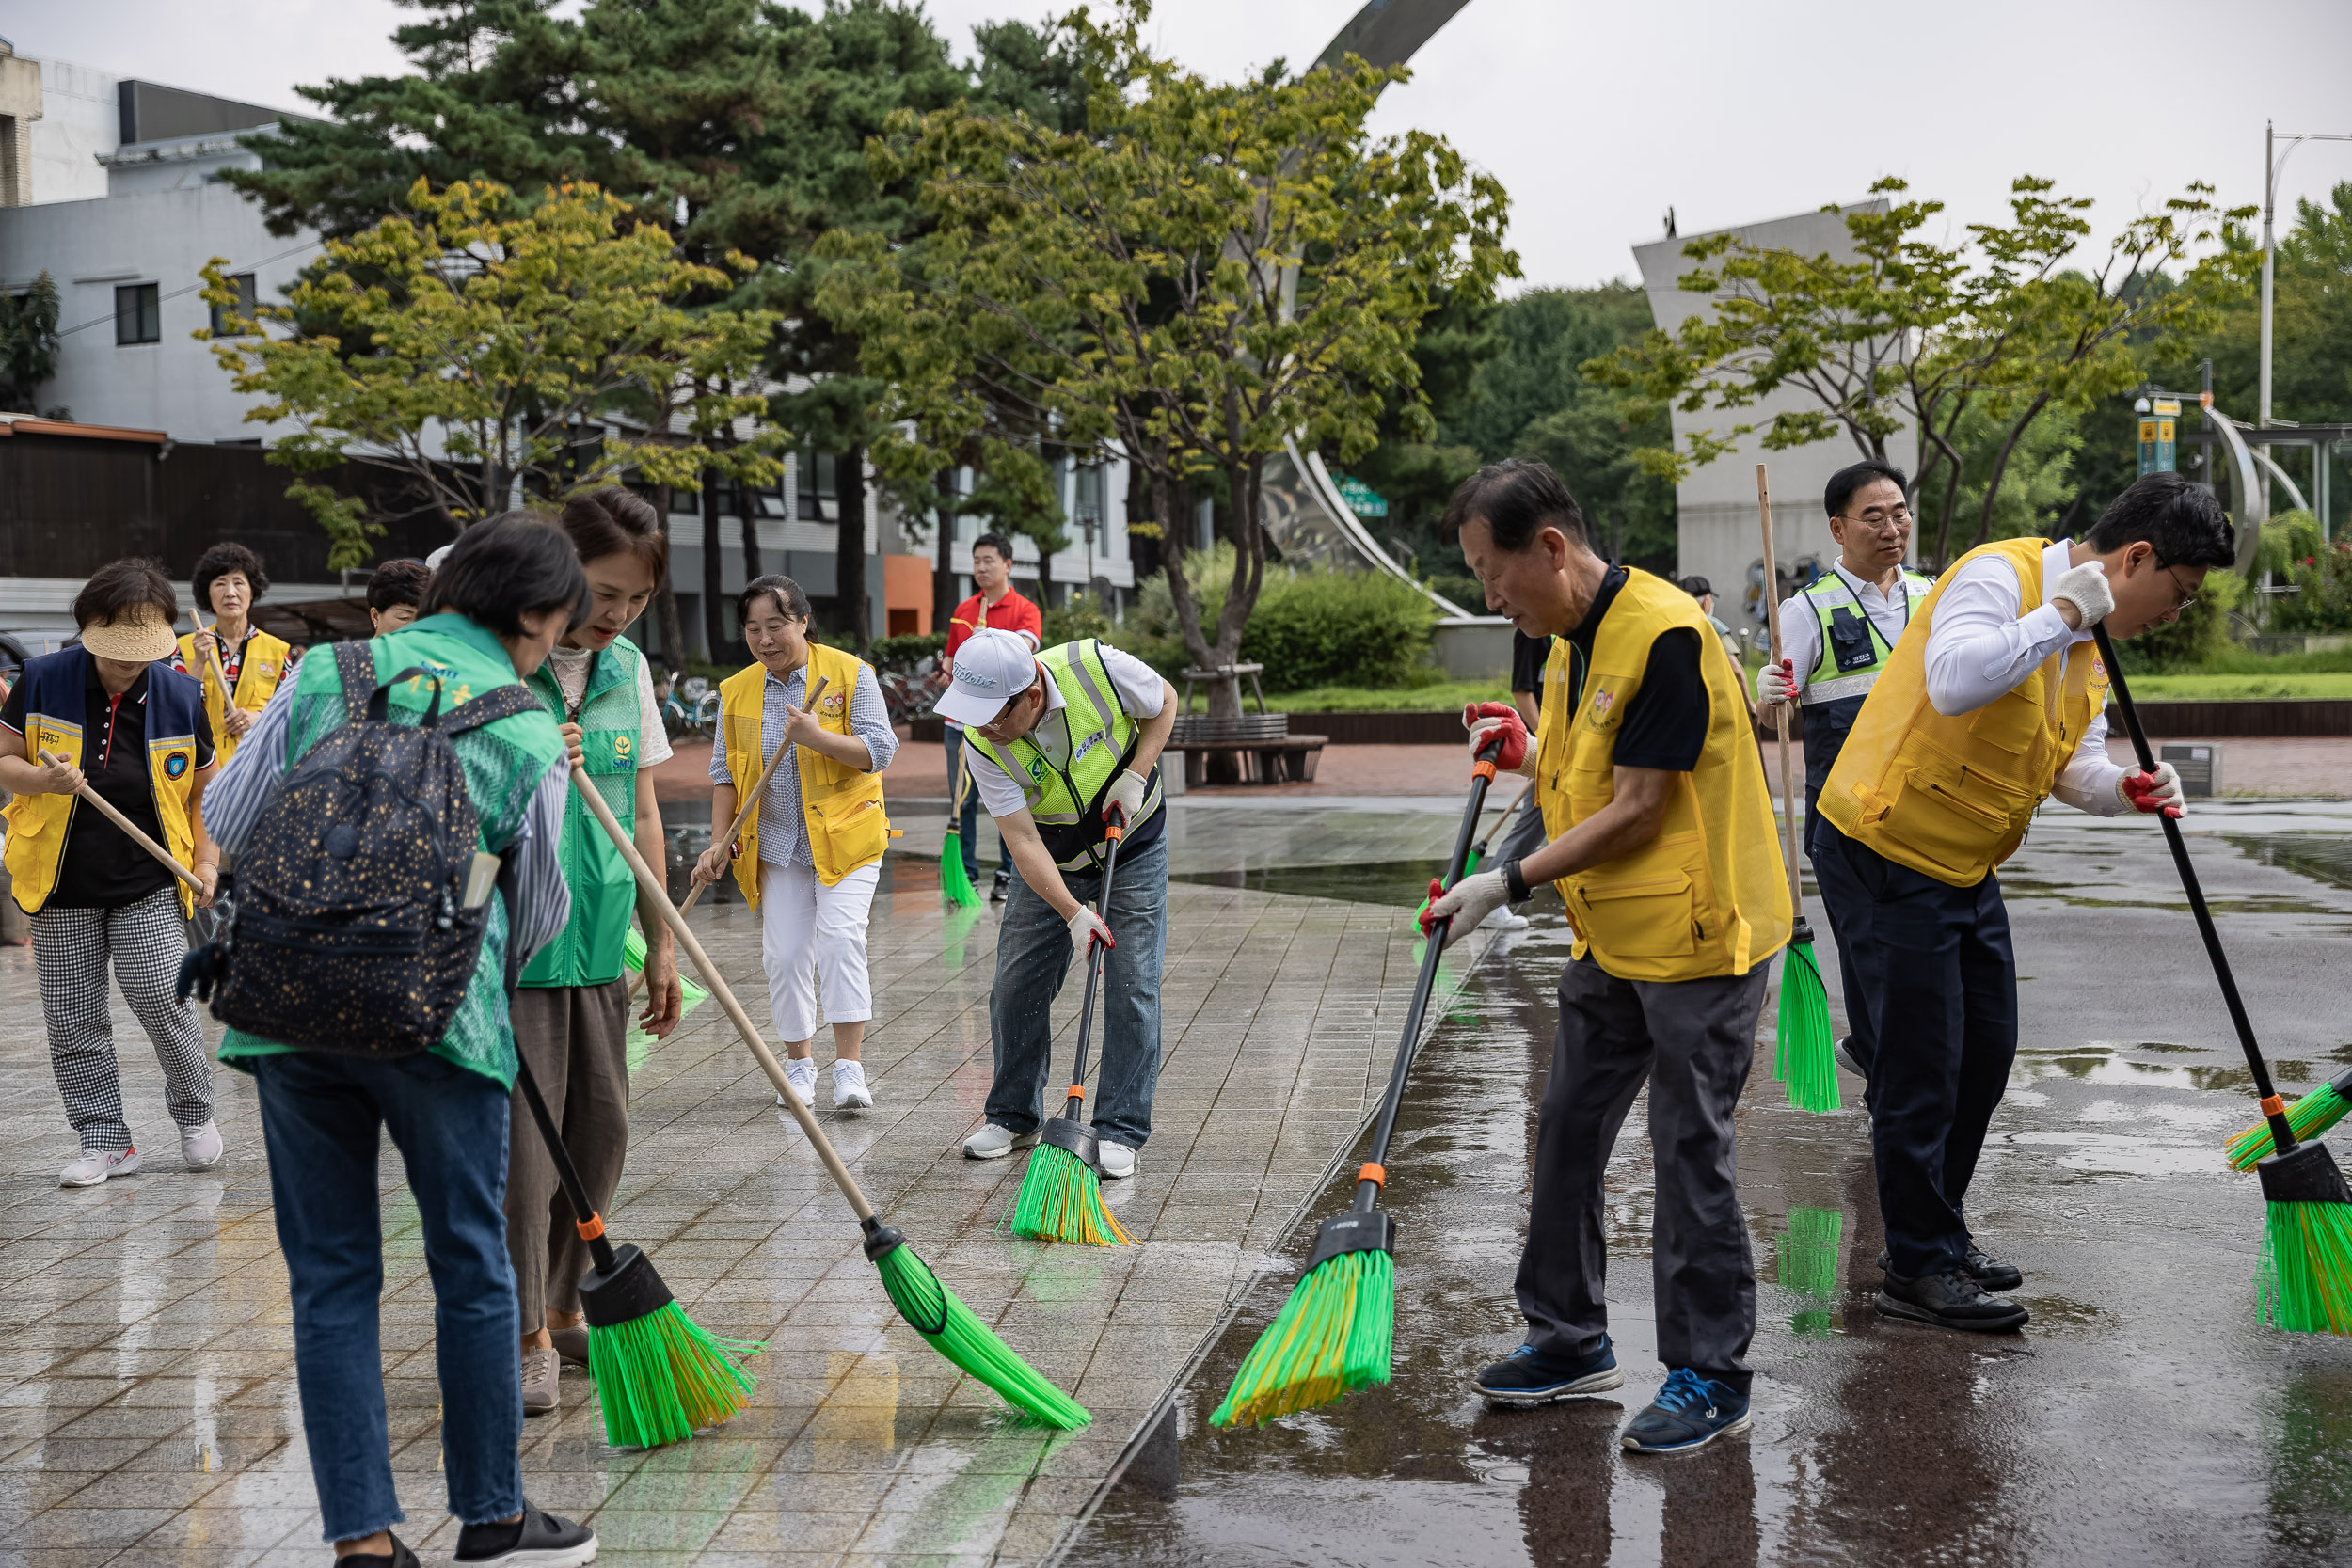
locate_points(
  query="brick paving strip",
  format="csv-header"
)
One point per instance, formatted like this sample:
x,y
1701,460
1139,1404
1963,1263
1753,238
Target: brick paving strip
x,y
148,1404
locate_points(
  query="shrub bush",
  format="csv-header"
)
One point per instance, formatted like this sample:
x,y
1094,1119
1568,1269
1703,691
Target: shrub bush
x,y
1309,628
904,653
2201,634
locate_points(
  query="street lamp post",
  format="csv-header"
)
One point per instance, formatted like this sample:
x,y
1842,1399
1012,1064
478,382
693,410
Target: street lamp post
x,y
2274,158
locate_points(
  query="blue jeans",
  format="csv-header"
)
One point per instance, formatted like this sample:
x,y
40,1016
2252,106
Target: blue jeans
x,y
320,1117
1032,963
966,822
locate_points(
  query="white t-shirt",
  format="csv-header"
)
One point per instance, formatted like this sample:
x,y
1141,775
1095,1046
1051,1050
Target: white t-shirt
x,y
571,667
1141,693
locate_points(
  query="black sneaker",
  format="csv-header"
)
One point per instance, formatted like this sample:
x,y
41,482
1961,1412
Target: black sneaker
x,y
1843,1052
1528,1376
1989,1274
997,889
1690,1412
399,1556
534,1541
1948,1299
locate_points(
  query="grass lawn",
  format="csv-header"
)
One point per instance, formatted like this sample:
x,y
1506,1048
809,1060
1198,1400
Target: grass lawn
x,y
2240,688
1445,697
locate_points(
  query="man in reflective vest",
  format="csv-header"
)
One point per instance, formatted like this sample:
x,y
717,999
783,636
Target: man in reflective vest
x,y
1661,844
1060,741
1836,637
1990,702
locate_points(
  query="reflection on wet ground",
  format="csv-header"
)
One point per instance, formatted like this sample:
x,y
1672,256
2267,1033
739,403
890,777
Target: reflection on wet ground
x,y
2145,1417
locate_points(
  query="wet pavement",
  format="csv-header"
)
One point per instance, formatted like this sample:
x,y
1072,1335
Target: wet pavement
x,y
147,1401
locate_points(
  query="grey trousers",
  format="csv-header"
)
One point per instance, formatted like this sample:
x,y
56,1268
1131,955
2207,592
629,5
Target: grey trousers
x,y
1693,1040
143,942
575,1040
1522,838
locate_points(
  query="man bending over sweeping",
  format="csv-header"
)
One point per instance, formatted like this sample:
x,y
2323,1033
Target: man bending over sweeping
x,y
1990,703
1653,795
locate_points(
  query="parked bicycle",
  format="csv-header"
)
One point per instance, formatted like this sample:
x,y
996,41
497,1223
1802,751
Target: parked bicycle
x,y
691,707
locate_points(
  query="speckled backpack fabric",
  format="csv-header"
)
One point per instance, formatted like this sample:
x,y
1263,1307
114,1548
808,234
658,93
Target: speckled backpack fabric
x,y
350,934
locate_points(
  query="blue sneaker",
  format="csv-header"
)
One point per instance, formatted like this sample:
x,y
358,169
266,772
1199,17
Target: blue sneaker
x,y
1690,1412
1529,1376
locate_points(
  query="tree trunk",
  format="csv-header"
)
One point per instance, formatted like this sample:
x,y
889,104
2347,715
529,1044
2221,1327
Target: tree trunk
x,y
714,578
747,510
2000,466
851,609
1044,571
1241,488
665,598
943,594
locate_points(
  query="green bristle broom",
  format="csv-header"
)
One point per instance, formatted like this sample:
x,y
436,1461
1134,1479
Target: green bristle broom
x,y
1335,1332
946,1324
2305,1278
1061,1194
955,883
1801,1059
2310,1116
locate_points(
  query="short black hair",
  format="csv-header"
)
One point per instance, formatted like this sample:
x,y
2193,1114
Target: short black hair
x,y
2184,520
1515,497
120,586
996,541
398,582
1846,481
614,521
517,564
1698,588
788,597
218,562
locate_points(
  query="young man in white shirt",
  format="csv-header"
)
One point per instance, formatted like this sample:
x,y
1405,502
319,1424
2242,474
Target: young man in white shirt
x,y
1990,702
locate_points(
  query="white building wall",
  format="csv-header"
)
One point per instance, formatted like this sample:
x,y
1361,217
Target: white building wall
x,y
1717,525
80,122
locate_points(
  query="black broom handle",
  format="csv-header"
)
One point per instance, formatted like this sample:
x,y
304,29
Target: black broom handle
x,y
574,1188
1094,973
2280,1132
1367,1188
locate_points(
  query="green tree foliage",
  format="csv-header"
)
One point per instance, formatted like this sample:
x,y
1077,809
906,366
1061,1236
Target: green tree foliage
x,y
1310,627
2310,323
1126,288
472,347
2037,490
28,346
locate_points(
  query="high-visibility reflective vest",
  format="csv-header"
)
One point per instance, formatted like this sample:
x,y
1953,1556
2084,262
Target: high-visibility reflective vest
x,y
1951,797
265,666
588,951
841,806
1065,801
55,703
1708,895
1851,655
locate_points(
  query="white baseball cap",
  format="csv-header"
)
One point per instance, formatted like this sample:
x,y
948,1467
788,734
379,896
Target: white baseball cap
x,y
991,670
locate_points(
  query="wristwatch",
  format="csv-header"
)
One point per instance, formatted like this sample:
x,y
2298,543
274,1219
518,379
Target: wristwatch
x,y
1514,884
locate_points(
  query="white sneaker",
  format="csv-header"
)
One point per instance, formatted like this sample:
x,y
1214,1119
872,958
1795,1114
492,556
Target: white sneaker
x,y
801,1072
993,1142
201,1147
1502,918
849,1087
90,1170
1116,1162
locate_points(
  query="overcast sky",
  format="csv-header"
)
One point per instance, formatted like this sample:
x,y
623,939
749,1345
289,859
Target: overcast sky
x,y
1597,118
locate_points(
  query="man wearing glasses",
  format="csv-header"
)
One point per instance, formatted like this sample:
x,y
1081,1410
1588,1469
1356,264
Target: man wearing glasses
x,y
1837,635
1992,702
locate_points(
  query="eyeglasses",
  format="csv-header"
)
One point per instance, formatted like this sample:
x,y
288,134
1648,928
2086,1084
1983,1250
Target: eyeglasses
x,y
1882,522
2188,594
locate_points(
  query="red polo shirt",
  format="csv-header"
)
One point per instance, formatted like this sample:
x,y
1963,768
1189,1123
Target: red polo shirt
x,y
1011,613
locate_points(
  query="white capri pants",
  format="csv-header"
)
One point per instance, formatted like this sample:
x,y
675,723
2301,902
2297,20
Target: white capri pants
x,y
808,932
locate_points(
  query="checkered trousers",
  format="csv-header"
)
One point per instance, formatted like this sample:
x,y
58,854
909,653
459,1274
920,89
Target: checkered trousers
x,y
71,949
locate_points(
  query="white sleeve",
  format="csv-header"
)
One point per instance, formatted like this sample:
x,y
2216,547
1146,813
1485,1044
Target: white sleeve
x,y
653,739
2090,779
1141,691
1800,638
1980,647
999,795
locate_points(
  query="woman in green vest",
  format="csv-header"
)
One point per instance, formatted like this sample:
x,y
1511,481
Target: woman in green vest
x,y
507,591
571,1016
811,855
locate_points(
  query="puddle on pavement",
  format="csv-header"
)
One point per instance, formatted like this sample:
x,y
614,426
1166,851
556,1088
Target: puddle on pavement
x,y
2323,856
1402,882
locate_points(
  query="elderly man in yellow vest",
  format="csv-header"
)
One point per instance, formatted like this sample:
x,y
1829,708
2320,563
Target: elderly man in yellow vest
x,y
1990,702
1059,743
1661,844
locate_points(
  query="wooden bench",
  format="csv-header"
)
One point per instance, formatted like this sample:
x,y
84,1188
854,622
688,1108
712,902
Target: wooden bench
x,y
1289,760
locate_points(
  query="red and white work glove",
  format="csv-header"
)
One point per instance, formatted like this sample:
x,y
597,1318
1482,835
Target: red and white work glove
x,y
1485,721
1776,683
1468,902
2159,791
1086,928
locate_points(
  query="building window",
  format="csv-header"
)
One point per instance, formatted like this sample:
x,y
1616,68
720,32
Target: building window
x,y
139,315
821,502
249,302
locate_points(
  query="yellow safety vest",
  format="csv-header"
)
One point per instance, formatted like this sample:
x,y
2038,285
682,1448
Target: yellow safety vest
x,y
265,666
842,805
39,825
1951,798
1708,896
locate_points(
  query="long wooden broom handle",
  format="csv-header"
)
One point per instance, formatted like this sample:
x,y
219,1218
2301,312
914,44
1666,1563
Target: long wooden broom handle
x,y
1772,616
211,651
86,793
750,803
711,977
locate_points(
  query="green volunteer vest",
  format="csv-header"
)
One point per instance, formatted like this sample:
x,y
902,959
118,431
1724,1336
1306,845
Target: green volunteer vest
x,y
503,760
604,889
1066,803
1828,595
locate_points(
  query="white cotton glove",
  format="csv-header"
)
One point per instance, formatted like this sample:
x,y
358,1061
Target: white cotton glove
x,y
1086,926
2159,791
2086,588
1126,794
1468,902
1776,682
